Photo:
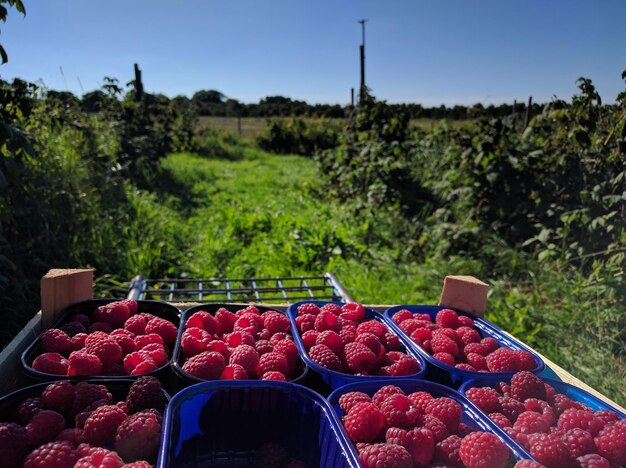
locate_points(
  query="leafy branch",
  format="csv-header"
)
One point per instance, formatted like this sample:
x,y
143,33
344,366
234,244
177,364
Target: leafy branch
x,y
19,6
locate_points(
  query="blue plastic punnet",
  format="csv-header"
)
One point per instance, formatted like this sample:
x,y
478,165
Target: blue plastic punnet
x,y
471,415
225,423
337,379
450,375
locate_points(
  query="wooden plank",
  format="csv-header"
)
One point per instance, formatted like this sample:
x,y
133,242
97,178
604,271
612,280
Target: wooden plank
x,y
61,288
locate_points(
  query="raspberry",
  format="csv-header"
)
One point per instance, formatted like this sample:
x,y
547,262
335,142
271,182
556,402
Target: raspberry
x,y
263,346
541,407
502,360
44,426
308,308
527,385
331,339
399,412
138,363
406,365
82,319
511,408
578,443
447,410
490,343
363,422
327,321
136,324
305,323
447,318
410,325
78,341
577,418
500,419
332,308
273,362
528,464
359,358
145,393
530,422
13,443
348,400
73,328
446,358
486,398
477,348
611,444
372,326
434,425
86,394
59,396
592,460
138,437
401,316
275,322
204,320
99,457
420,400
57,454
114,313
144,340
561,402
288,349
467,335
83,363
249,323
100,327
226,320
419,443
525,360
194,341
51,363
55,341
101,426
385,392
75,436
279,336
104,347
353,311
164,328
348,334
477,361
156,352
385,456
27,409
274,375
549,450
236,338
207,365
519,436
444,344
247,357
447,451
125,339
482,449
606,416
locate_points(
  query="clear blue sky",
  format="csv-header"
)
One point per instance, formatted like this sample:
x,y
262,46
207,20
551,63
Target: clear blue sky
x,y
433,52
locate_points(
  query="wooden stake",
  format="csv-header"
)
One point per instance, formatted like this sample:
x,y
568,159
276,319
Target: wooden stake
x,y
62,288
465,293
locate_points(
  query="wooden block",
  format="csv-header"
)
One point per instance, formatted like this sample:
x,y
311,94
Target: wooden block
x,y
62,288
466,293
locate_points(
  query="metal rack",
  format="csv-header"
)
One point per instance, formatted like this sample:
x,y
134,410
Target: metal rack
x,y
224,290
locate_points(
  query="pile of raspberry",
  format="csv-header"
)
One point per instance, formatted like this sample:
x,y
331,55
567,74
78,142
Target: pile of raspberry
x,y
82,426
556,430
340,338
392,429
453,340
242,345
115,341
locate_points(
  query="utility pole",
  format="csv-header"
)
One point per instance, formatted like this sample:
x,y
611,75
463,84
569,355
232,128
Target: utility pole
x,y
362,51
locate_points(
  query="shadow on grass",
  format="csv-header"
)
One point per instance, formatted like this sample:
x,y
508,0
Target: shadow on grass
x,y
213,149
167,186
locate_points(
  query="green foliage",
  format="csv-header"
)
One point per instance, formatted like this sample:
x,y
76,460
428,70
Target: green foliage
x,y
299,136
19,6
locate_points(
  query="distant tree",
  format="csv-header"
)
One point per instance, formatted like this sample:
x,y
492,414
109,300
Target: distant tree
x,y
94,101
65,97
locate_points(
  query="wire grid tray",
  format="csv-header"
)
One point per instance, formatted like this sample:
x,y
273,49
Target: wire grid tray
x,y
225,290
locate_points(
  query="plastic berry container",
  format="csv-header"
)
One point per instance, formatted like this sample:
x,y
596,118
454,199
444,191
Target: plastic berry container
x,y
471,415
450,375
156,308
337,379
225,423
178,360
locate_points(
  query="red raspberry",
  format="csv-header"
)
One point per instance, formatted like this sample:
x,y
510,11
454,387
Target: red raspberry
x,y
391,342
385,392
327,321
78,341
207,365
73,328
541,407
530,422
372,342
528,464
226,320
275,322
435,425
44,426
204,320
274,375
348,334
406,365
98,457
145,340
446,358
233,372
305,323
263,346
137,324
477,361
194,341
578,443
353,311
511,408
220,347
249,323
308,308
55,341
331,339
238,337
561,402
138,363
399,412
133,306
247,357
410,325
490,343
465,367
156,352
549,450
13,443
101,426
583,419
385,456
348,400
443,344
359,358
420,400
418,442
27,409
273,362
125,339
606,416
401,315
447,451
477,348
138,437
75,436
502,360
104,347
486,398
114,313
288,349
100,327
501,420
332,308
468,335
60,454
482,449
363,422
611,444
447,318
447,410
83,363
145,393
527,385
164,328
59,396
592,460
519,436
86,394
372,326
525,360
51,363
280,336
